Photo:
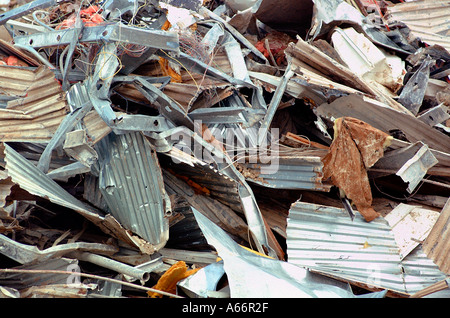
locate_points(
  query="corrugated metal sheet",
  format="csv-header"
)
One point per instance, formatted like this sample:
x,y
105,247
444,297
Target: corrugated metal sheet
x,y
24,280
428,20
384,118
437,244
132,185
31,179
292,171
421,272
218,185
325,240
39,108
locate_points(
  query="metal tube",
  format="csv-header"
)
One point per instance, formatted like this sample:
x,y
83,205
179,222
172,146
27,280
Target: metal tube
x,y
111,264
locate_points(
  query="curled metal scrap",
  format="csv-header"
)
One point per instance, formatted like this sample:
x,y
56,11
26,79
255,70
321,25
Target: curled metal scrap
x,y
131,182
26,254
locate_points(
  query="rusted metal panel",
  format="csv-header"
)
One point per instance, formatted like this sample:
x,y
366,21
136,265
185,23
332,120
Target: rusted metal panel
x,y
437,244
39,108
427,20
298,170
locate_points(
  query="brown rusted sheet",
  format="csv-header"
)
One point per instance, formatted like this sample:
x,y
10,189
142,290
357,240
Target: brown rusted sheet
x,y
437,245
355,148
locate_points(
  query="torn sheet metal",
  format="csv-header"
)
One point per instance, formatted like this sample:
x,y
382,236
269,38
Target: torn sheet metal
x,y
92,193
204,283
368,61
413,91
24,280
132,185
427,20
386,119
80,105
213,183
195,65
195,145
421,273
437,243
37,110
324,240
410,225
301,170
305,84
415,169
31,179
189,96
27,254
331,13
256,276
318,60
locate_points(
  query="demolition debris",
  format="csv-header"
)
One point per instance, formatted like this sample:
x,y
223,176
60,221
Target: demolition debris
x,y
221,149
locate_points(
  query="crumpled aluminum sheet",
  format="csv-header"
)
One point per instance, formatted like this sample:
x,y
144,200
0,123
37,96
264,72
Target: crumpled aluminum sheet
x,y
253,276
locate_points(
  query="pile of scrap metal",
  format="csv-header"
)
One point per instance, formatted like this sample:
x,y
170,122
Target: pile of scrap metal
x,y
221,149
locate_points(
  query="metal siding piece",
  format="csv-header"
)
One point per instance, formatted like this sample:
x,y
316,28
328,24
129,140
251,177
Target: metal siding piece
x,y
39,107
24,280
31,179
325,240
427,20
132,185
420,272
410,225
385,118
413,171
291,172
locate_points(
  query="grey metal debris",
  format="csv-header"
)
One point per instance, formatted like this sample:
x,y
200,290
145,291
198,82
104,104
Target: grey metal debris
x,y
139,135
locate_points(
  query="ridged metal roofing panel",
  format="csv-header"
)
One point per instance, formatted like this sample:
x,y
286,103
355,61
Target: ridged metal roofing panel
x,y
39,108
132,185
33,180
326,240
302,172
427,20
